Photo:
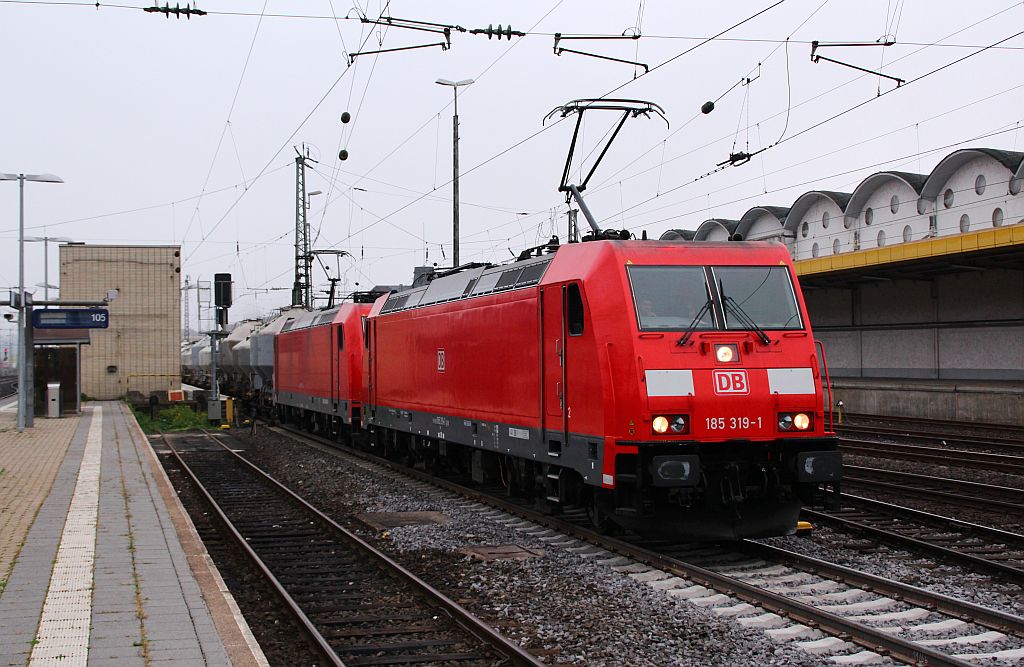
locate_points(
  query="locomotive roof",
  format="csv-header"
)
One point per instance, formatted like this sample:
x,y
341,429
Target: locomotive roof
x,y
579,261
303,319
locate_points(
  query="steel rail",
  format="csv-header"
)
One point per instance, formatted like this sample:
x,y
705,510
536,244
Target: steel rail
x,y
978,528
1004,463
858,633
952,490
913,431
965,611
459,614
945,423
316,639
1010,572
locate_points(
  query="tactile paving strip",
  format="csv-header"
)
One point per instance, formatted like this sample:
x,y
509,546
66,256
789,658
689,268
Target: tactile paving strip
x,y
63,636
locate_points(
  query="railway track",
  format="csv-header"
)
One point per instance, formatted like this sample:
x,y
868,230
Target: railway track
x,y
921,433
985,496
1003,463
980,547
357,606
784,593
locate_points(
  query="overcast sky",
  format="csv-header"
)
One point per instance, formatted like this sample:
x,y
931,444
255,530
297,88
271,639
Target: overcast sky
x,y
139,115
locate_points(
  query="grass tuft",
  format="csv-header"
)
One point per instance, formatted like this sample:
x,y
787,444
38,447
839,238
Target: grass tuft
x,y
174,418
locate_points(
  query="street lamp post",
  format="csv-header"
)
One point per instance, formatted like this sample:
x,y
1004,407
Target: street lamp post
x,y
455,165
45,240
22,353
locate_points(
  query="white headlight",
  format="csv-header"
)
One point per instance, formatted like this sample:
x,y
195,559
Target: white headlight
x,y
726,353
660,424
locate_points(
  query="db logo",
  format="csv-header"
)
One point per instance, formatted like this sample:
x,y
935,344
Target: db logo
x,y
440,360
730,382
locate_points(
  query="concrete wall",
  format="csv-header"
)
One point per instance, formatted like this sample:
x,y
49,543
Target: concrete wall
x,y
964,326
140,351
988,403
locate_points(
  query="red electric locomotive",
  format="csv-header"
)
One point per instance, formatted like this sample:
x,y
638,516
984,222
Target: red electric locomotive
x,y
318,368
668,387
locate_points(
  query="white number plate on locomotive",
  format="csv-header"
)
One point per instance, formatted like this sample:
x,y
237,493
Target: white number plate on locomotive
x,y
732,423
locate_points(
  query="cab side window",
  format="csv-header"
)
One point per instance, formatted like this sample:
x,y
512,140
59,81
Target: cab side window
x,y
574,310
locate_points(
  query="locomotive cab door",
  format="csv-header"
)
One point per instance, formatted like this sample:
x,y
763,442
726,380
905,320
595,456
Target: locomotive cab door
x,y
552,339
332,339
561,319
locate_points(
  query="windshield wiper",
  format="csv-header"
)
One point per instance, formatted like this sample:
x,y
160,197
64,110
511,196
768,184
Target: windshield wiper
x,y
685,338
746,320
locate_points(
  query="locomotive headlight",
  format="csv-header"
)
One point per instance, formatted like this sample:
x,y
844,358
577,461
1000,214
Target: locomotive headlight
x,y
795,421
727,353
670,425
660,424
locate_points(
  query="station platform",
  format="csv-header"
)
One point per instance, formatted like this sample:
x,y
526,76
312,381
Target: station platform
x,y
99,563
978,401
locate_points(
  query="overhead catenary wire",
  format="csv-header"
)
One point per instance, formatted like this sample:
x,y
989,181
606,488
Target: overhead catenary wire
x,y
284,145
842,149
695,116
358,115
85,4
829,119
819,179
859,105
149,207
227,122
212,239
824,95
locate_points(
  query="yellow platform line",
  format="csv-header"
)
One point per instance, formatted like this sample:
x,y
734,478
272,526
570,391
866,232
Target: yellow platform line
x,y
62,639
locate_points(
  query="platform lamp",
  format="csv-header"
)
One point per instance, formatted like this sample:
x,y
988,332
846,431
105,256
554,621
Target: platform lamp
x,y
46,240
23,374
455,165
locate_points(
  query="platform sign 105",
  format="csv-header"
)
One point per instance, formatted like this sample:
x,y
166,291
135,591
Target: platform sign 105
x,y
71,318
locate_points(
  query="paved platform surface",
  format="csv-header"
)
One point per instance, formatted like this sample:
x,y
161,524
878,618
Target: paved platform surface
x,y
99,565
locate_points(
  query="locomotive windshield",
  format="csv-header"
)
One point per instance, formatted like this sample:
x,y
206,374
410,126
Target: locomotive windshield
x,y
757,297
670,297
673,298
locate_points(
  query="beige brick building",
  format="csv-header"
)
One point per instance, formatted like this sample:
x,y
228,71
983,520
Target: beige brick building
x,y
140,351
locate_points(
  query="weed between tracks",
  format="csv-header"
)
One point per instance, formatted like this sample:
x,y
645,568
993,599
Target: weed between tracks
x,y
174,418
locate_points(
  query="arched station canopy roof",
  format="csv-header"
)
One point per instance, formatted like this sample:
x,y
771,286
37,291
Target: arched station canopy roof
x,y
862,193
751,216
1018,179
942,172
807,199
678,235
705,228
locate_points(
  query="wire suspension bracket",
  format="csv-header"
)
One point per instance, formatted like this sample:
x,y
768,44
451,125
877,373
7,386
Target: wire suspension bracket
x,y
885,41
443,29
559,50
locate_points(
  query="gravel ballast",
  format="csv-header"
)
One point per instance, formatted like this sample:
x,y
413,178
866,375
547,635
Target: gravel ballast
x,y
566,606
